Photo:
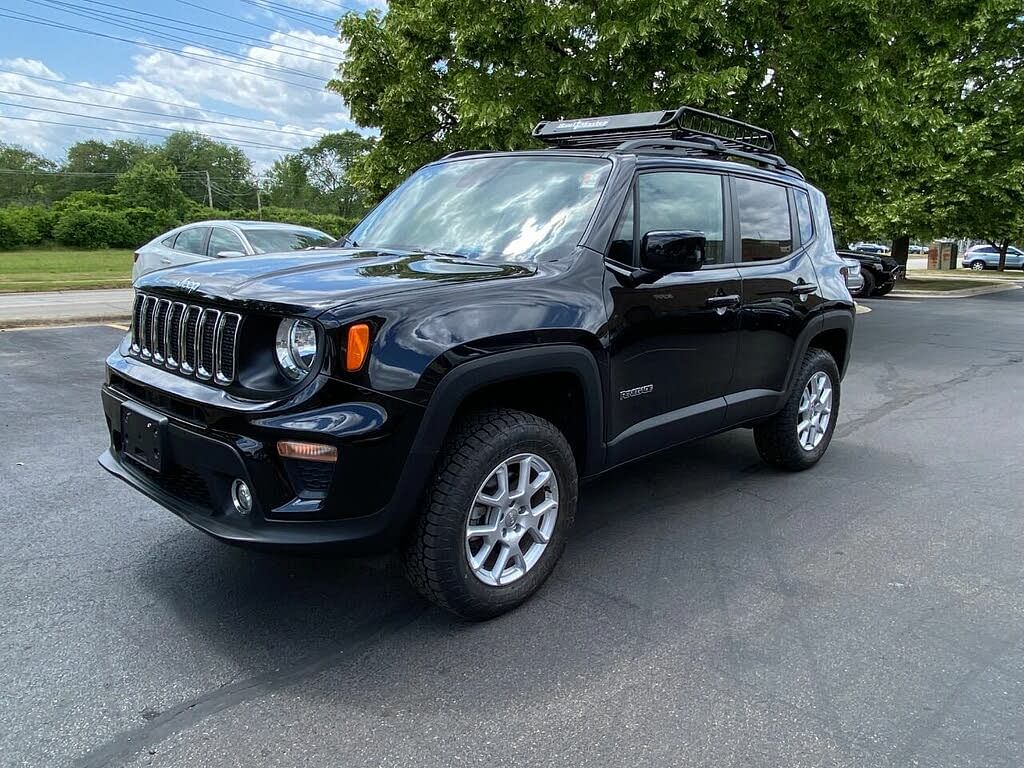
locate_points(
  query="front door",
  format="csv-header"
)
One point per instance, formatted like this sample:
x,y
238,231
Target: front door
x,y
672,341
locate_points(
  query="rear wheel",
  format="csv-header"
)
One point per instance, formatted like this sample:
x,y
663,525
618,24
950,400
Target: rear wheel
x,y
496,516
978,265
797,436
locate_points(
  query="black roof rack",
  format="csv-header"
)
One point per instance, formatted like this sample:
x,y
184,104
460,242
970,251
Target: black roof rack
x,y
686,130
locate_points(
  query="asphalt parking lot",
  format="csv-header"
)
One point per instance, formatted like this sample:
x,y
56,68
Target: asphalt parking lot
x,y
708,611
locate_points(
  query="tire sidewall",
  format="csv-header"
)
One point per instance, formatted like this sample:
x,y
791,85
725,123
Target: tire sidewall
x,y
869,285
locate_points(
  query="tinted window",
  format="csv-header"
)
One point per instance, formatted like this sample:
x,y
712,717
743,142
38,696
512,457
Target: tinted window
x,y
192,240
621,249
168,242
280,240
223,240
764,220
521,208
803,215
684,201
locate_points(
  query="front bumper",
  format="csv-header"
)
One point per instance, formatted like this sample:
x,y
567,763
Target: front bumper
x,y
351,505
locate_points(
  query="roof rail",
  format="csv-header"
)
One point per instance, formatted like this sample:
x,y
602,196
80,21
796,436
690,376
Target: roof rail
x,y
704,147
683,123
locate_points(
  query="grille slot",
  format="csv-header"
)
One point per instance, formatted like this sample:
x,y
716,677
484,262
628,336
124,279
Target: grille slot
x,y
196,341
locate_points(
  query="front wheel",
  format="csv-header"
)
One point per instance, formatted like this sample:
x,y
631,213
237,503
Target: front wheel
x,y
885,289
978,266
797,436
869,284
497,515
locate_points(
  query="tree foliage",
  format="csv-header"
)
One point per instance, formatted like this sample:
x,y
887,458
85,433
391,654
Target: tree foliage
x,y
316,178
868,98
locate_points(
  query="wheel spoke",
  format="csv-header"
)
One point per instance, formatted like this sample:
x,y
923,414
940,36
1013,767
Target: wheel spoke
x,y
488,532
501,563
476,562
500,498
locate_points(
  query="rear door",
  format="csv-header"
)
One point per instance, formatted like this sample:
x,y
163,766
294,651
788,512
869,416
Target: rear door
x,y
673,341
779,288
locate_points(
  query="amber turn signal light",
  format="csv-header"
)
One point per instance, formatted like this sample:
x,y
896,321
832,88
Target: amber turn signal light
x,y
358,346
293,449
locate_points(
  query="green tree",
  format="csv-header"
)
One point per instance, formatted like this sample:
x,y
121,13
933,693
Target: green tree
x,y
859,93
146,185
194,155
24,176
104,159
317,177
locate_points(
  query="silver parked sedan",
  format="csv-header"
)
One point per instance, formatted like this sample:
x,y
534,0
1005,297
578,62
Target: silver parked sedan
x,y
223,239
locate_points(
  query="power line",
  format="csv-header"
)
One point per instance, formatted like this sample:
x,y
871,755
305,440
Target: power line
x,y
304,135
266,5
22,172
254,24
132,25
303,53
228,139
123,94
214,62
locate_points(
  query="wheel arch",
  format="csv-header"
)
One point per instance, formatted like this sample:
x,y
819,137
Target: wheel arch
x,y
513,378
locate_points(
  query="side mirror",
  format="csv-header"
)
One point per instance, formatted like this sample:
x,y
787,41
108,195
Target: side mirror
x,y
229,254
673,251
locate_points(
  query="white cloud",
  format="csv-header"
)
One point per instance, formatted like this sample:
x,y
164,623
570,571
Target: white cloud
x,y
192,84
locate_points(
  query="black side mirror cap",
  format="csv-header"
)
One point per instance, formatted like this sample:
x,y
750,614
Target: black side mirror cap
x,y
673,251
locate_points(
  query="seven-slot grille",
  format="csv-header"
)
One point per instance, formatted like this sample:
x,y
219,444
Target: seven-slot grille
x,y
193,340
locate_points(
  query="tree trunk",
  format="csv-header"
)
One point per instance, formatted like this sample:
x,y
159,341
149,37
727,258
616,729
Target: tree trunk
x,y
1003,246
901,250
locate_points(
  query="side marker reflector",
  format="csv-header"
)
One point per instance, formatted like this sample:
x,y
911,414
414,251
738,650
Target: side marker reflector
x,y
358,346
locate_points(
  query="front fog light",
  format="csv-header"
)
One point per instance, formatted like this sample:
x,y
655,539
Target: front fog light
x,y
296,347
241,497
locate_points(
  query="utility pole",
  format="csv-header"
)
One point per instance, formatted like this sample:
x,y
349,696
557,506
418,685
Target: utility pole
x,y
209,190
259,201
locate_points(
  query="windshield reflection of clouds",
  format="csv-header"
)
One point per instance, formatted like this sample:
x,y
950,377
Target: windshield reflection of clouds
x,y
508,208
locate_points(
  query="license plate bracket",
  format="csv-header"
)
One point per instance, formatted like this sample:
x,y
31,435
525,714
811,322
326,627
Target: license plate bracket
x,y
143,435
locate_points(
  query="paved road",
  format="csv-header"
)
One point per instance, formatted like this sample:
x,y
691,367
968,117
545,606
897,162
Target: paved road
x,y
64,306
708,611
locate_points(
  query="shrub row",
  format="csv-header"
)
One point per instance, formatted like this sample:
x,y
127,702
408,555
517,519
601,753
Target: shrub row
x,y
93,220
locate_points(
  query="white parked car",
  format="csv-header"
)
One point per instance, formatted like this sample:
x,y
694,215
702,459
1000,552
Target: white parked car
x,y
221,240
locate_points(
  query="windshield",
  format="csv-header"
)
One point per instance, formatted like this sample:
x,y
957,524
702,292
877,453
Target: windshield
x,y
277,240
523,208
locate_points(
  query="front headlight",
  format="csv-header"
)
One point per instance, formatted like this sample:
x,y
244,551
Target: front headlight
x,y
296,347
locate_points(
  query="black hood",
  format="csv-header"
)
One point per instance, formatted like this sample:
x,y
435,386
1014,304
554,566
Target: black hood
x,y
317,280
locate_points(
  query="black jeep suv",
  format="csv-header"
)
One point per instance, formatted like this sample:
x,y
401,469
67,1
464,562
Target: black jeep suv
x,y
501,327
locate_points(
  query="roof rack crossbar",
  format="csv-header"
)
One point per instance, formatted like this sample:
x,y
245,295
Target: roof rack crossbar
x,y
683,123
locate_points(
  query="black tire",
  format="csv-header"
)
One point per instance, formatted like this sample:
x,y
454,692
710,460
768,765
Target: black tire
x,y
436,562
978,265
869,284
776,439
884,289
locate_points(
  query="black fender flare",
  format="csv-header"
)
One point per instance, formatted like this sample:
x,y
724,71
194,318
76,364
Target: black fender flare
x,y
828,320
471,376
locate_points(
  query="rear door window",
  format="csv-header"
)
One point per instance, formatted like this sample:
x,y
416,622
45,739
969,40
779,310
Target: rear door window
x,y
192,240
765,224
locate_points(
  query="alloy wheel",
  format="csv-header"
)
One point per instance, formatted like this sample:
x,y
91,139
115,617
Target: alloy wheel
x,y
512,519
815,411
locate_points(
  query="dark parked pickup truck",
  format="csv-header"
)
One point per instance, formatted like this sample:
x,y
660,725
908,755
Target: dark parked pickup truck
x,y
500,328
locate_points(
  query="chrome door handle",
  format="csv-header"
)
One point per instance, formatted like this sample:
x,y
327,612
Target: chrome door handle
x,y
165,260
802,289
720,302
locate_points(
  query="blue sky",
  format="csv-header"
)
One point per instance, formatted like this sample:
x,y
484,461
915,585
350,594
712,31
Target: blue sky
x,y
253,70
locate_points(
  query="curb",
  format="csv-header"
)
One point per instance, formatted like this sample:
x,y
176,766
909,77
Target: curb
x,y
10,324
962,294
